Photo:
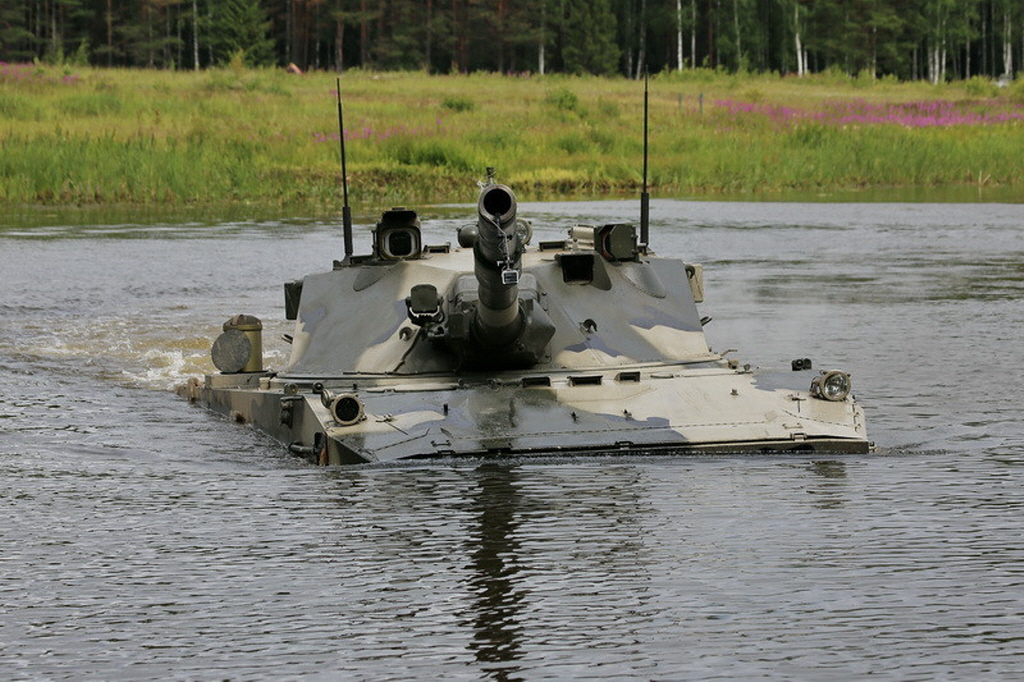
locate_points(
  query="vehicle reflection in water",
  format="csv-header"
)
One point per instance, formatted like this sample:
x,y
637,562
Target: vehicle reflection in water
x,y
493,552
829,494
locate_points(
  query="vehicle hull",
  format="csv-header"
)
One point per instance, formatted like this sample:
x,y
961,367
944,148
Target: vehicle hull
x,y
664,409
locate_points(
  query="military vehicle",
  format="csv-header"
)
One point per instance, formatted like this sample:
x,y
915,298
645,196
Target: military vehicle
x,y
586,345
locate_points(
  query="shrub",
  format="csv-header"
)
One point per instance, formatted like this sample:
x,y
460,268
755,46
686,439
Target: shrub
x,y
433,153
572,143
458,103
1015,91
564,99
17,107
980,87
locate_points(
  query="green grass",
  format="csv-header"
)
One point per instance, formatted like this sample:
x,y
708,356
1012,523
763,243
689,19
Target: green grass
x,y
268,139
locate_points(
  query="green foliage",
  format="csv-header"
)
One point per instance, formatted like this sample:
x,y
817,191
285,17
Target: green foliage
x,y
602,140
54,54
267,138
237,78
865,78
90,104
491,140
431,153
754,95
458,103
564,99
608,108
589,35
572,143
834,74
240,34
81,56
1015,91
979,86
811,136
17,107
698,75
17,42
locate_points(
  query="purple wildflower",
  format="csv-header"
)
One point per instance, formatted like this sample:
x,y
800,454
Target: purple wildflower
x,y
926,114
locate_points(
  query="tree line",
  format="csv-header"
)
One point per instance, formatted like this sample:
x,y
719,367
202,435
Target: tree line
x,y
909,39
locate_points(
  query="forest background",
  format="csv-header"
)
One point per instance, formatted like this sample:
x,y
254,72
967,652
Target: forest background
x,y
935,40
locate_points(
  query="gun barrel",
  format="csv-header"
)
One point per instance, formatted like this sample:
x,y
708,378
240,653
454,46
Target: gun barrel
x,y
497,252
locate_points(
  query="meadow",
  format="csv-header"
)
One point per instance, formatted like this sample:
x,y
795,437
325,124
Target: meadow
x,y
265,138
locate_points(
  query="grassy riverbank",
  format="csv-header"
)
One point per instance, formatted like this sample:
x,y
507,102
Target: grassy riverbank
x,y
269,139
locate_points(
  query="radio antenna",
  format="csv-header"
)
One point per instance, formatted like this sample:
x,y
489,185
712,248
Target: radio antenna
x,y
346,212
645,198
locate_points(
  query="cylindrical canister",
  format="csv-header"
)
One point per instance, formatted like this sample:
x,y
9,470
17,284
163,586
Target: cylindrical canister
x,y
252,328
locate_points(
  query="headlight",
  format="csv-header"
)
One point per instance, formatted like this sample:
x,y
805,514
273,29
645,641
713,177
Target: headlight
x,y
347,409
831,385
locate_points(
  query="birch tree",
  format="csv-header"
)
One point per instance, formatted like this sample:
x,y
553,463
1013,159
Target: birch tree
x,y
936,41
641,60
679,35
1007,34
801,51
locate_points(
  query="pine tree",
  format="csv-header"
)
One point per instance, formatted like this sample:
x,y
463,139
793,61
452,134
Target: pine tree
x,y
589,37
241,27
17,43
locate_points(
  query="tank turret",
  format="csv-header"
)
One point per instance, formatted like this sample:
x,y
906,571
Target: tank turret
x,y
494,318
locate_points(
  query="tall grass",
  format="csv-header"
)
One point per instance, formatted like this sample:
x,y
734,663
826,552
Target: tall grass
x,y
267,138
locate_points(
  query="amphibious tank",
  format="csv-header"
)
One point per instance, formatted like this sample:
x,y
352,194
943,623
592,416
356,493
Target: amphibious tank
x,y
498,347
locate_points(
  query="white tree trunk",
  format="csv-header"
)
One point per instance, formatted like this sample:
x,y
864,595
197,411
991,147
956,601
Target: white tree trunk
x,y
801,58
679,35
736,26
543,37
195,35
693,33
937,54
937,64
641,60
967,52
1007,44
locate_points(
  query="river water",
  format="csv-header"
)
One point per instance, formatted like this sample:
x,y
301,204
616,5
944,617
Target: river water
x,y
143,538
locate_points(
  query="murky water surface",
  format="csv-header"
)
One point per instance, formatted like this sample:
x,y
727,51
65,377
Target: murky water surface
x,y
146,539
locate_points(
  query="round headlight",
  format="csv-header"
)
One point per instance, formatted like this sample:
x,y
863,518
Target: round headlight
x,y
347,409
831,385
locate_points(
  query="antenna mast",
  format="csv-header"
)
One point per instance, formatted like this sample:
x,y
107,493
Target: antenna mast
x,y
645,198
346,212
